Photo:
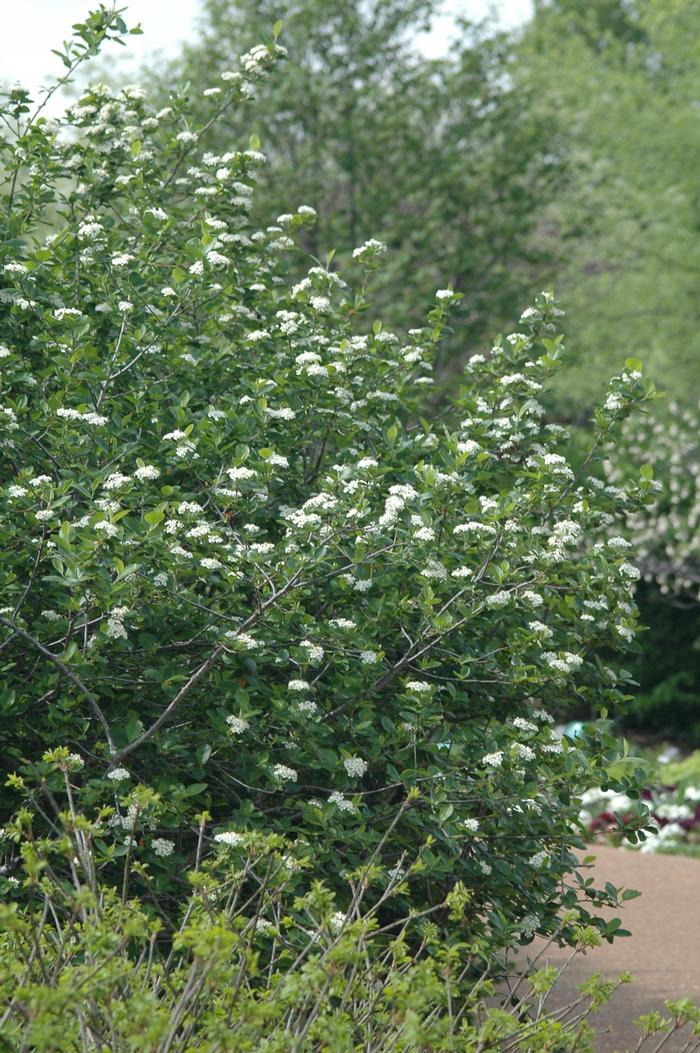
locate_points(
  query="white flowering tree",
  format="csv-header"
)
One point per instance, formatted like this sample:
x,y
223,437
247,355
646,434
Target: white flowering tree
x,y
247,588
666,542
665,531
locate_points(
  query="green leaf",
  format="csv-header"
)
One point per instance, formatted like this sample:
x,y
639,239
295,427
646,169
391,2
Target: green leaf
x,y
155,516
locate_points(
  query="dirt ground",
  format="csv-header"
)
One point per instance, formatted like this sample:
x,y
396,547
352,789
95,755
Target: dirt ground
x,y
663,952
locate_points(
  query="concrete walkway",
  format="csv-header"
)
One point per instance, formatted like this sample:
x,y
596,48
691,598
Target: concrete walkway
x,y
663,952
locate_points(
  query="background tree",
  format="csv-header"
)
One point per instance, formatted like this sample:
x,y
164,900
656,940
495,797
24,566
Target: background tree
x,y
621,81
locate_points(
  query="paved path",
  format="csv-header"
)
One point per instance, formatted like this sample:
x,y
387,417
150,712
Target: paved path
x,y
663,952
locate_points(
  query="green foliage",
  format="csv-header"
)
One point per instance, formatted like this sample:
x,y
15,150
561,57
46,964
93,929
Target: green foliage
x,y
259,959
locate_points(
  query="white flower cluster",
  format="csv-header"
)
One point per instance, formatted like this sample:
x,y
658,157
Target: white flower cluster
x,y
355,767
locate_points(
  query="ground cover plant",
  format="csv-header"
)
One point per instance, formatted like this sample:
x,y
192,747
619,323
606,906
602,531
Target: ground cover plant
x,y
260,614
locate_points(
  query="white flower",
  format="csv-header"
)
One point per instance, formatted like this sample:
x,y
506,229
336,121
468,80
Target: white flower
x,y
237,725
619,542
236,474
566,662
107,528
119,775
539,860
341,802
524,725
209,563
369,249
553,747
337,921
369,657
355,767
444,294
244,640
285,774
523,752
115,481
315,651
162,847
472,825
228,837
216,259
115,623
493,760
418,687
298,685
147,471
629,571
285,413
44,514
89,230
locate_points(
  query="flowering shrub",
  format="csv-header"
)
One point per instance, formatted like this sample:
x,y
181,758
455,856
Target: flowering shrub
x,y
247,589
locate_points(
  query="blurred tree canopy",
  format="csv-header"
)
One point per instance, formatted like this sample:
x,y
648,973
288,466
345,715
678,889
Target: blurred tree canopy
x,y
622,79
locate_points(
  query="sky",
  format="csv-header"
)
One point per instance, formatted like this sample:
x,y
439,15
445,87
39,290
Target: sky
x,y
31,28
